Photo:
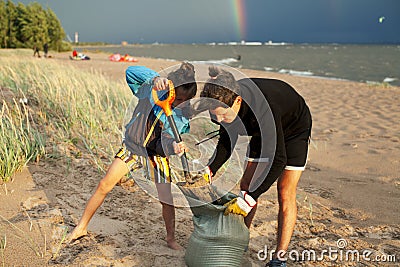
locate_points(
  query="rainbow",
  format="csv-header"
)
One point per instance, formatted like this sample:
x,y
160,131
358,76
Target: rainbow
x,y
240,17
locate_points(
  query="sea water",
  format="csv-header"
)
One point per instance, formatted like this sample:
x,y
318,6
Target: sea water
x,y
362,63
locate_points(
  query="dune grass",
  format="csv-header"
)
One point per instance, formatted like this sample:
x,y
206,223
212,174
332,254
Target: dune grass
x,y
67,112
20,142
3,245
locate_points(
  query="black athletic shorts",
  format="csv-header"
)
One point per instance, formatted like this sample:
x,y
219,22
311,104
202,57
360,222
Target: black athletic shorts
x,y
296,150
296,153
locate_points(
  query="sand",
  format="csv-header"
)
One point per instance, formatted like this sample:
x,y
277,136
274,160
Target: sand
x,y
349,192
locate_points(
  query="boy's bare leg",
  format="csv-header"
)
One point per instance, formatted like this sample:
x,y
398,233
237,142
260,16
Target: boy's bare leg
x,y
116,170
168,213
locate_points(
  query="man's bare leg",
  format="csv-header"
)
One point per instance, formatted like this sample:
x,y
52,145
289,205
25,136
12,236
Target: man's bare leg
x,y
287,185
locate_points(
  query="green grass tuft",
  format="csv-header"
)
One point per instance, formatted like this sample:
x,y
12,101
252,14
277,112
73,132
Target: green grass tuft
x,y
67,109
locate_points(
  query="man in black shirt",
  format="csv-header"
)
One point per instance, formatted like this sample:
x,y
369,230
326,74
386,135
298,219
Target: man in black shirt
x,y
279,122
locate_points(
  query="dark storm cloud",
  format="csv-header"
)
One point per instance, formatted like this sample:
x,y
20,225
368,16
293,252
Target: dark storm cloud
x,y
182,21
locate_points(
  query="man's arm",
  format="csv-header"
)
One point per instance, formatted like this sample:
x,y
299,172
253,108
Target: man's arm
x,y
223,150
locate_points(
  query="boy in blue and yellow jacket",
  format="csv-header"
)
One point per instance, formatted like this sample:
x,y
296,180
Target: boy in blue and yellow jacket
x,y
148,142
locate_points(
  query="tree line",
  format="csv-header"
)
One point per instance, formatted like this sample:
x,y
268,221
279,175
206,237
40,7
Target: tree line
x,y
26,26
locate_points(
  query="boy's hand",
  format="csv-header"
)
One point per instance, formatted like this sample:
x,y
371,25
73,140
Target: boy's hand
x,y
179,148
160,83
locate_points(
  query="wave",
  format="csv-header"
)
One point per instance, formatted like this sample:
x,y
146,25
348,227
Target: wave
x,y
273,43
237,43
386,80
389,80
217,61
303,73
250,43
296,72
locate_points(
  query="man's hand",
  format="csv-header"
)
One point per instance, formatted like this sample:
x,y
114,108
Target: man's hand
x,y
241,205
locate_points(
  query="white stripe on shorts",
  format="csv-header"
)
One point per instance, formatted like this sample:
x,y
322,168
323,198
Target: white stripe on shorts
x,y
293,168
289,168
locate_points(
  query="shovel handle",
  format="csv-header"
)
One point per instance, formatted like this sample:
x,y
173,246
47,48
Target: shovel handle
x,y
166,107
166,103
178,139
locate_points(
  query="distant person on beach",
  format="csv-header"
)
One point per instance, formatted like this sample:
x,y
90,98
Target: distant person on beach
x,y
82,56
78,56
246,101
36,51
45,49
148,143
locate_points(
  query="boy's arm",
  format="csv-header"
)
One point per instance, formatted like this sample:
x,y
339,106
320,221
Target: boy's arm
x,y
136,76
164,144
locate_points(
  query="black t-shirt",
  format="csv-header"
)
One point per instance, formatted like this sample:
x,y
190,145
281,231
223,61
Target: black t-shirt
x,y
271,112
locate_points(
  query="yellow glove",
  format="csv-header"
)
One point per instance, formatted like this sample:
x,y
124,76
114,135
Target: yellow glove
x,y
206,174
241,205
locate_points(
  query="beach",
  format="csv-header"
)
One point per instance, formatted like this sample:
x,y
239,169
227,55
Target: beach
x,y
348,197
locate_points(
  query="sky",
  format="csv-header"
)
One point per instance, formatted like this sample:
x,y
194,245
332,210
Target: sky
x,y
205,21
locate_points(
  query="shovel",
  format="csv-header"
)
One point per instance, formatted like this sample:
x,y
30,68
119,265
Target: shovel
x,y
166,107
195,187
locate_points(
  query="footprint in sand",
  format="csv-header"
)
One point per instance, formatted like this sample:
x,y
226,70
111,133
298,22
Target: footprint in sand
x,y
341,213
324,193
312,168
